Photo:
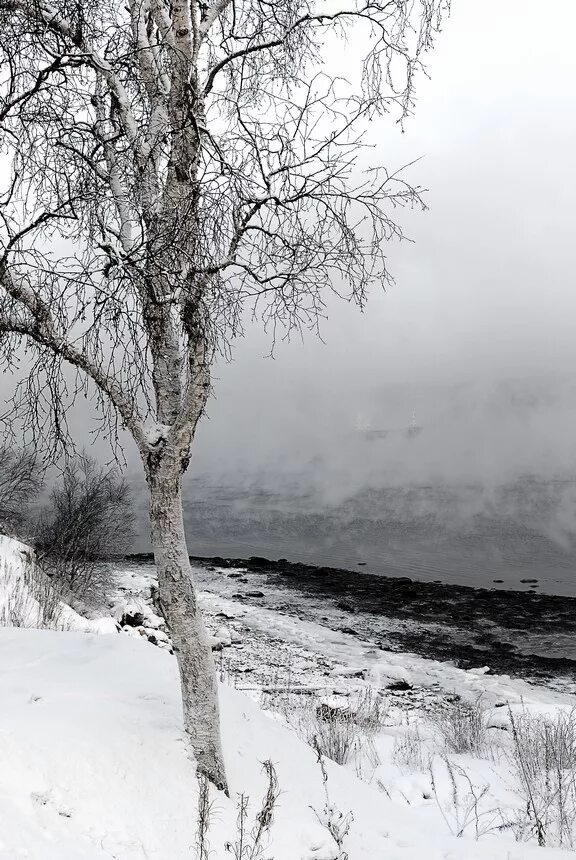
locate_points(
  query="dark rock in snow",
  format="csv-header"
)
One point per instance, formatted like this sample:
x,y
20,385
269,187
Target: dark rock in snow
x,y
258,561
254,593
221,562
399,686
135,619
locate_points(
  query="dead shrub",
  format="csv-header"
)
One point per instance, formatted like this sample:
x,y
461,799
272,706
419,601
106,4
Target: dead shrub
x,y
336,822
463,727
250,842
544,759
465,808
334,734
409,752
87,521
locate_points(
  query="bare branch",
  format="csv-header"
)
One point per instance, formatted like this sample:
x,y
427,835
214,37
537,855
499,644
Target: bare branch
x,y
40,328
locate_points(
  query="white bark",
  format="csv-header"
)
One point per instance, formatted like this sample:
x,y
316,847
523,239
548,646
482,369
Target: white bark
x,y
141,134
180,606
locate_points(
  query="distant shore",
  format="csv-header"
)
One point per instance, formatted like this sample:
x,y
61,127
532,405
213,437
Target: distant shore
x,y
522,633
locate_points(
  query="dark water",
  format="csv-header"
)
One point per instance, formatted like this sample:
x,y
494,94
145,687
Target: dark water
x,y
462,535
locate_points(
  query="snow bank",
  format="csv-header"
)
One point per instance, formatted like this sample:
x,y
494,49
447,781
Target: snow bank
x,y
13,554
94,766
26,597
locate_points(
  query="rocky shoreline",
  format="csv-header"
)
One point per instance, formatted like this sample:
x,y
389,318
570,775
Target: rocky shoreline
x,y
507,631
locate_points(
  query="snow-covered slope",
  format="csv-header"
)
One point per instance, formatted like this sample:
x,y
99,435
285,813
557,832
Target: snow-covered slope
x,y
93,766
27,599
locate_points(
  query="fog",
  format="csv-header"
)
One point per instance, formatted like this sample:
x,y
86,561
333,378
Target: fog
x,y
476,337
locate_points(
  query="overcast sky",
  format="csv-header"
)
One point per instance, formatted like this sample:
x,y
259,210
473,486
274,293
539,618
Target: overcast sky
x,y
486,291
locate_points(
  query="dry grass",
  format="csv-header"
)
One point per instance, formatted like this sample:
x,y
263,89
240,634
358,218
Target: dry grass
x,y
409,753
250,840
544,759
464,810
463,727
336,822
345,732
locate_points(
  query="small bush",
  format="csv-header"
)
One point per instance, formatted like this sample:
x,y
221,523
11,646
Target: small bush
x,y
87,521
370,710
333,733
462,727
342,732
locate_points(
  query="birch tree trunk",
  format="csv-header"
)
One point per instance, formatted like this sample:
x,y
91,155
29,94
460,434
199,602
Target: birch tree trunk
x,y
179,603
176,220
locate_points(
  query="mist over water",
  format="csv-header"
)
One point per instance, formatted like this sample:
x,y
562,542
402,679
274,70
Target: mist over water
x,y
459,482
474,344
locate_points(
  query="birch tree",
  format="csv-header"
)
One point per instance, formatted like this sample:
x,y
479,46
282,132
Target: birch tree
x,y
171,167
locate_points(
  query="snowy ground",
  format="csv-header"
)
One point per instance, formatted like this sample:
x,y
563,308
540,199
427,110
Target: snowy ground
x,y
93,766
275,646
93,763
